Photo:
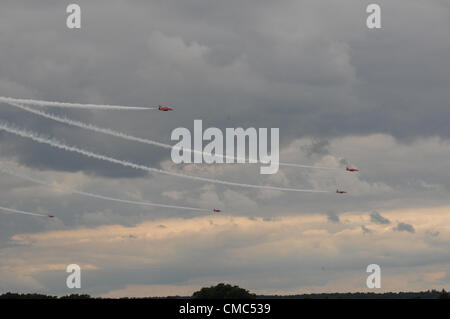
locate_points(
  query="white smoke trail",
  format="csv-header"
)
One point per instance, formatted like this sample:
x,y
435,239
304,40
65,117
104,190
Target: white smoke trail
x,y
97,196
90,127
73,105
57,144
125,136
15,211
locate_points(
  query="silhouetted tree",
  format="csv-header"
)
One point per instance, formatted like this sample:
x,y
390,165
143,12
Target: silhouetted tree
x,y
76,296
10,295
443,295
223,291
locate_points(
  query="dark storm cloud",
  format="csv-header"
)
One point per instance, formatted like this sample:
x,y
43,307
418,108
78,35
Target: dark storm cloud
x,y
310,68
375,217
231,65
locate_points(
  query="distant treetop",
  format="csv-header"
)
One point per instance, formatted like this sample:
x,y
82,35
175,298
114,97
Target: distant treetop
x,y
223,291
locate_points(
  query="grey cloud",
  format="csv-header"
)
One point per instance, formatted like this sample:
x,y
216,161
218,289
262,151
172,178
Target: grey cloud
x,y
333,217
309,67
237,71
317,147
344,162
366,230
433,233
376,217
405,227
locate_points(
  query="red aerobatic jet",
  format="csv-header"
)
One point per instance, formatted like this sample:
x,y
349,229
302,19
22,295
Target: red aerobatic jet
x,y
340,191
352,169
215,210
51,216
164,108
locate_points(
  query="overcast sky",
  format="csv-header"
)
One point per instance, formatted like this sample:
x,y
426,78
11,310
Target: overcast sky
x,y
340,93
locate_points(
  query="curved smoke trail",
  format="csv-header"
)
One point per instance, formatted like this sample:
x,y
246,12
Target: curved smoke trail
x,y
73,105
15,211
97,196
125,136
57,144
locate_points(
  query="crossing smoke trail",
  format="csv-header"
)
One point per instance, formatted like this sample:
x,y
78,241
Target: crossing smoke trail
x,y
73,105
97,196
57,144
110,132
14,211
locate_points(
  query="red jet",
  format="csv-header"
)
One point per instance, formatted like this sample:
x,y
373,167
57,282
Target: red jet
x,y
352,169
164,108
340,191
216,210
51,216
